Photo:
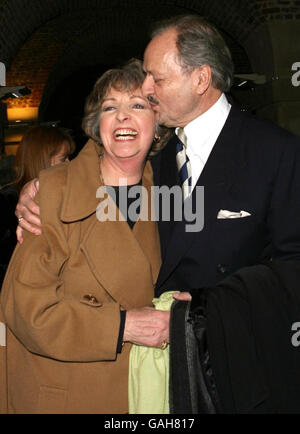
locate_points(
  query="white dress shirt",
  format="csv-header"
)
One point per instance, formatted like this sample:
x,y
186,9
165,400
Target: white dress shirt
x,y
202,134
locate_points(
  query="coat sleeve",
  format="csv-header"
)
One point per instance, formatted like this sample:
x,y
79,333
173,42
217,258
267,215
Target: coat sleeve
x,y
35,307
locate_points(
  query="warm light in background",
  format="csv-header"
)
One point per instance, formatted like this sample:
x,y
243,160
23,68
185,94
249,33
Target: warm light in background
x,y
11,149
16,116
22,114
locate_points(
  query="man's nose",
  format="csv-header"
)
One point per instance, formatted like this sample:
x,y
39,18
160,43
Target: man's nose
x,y
148,86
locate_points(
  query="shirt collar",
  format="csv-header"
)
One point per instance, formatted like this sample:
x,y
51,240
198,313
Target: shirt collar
x,y
211,121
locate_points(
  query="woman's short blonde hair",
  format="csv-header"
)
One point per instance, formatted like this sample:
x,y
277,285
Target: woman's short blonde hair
x,y
126,79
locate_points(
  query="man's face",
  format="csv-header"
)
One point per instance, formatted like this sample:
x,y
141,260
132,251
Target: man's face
x,y
170,89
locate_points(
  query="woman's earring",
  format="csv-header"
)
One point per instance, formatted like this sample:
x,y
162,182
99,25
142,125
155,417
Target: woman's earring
x,y
156,138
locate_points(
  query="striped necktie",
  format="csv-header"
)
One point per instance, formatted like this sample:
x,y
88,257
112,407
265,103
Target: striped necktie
x,y
183,164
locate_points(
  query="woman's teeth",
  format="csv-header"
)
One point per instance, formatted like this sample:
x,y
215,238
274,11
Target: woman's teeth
x,y
125,134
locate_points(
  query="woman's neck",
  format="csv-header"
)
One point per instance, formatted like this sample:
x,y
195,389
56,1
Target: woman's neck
x,y
122,171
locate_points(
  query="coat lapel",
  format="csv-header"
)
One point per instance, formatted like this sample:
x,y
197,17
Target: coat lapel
x,y
82,183
118,262
217,176
125,262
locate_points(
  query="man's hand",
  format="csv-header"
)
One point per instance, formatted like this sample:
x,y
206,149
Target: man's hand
x,y
182,296
147,326
27,211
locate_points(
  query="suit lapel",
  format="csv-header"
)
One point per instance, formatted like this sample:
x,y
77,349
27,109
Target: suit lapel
x,y
165,173
217,176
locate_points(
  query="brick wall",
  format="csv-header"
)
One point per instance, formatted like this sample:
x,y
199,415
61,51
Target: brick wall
x,y
42,41
31,67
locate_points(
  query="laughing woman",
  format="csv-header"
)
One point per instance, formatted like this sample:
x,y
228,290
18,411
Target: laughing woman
x,y
68,291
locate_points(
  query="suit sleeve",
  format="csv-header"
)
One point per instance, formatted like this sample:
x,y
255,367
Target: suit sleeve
x,y
36,308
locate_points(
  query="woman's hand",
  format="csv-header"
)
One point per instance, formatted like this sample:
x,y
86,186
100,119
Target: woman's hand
x,y
27,211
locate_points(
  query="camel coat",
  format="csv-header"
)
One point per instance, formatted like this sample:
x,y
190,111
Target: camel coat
x,y
63,293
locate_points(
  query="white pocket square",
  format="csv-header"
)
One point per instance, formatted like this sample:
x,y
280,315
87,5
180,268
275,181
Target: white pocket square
x,y
225,214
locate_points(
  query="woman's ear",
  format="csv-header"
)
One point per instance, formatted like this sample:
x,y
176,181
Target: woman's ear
x,y
202,78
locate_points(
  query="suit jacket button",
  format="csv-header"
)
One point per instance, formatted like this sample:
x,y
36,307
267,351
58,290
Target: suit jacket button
x,y
222,268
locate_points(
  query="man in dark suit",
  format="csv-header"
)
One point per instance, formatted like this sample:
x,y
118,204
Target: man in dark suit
x,y
242,268
247,167
239,274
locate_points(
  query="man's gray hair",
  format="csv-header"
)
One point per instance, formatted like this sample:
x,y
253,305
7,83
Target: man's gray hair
x,y
200,43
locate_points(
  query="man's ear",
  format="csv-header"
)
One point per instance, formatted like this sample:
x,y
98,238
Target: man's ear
x,y
202,78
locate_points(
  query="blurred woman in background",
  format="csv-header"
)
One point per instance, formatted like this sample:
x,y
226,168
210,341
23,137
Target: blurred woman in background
x,y
40,148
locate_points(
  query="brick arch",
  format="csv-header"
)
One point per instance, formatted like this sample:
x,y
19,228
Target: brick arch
x,y
19,19
104,37
91,49
57,35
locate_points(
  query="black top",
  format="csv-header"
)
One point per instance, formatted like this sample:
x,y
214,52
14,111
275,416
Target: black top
x,y
123,200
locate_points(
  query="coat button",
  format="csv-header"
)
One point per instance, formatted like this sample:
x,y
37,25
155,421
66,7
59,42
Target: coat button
x,y
90,298
222,268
